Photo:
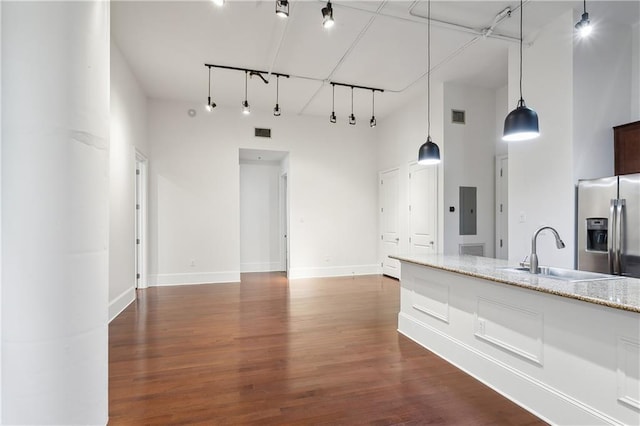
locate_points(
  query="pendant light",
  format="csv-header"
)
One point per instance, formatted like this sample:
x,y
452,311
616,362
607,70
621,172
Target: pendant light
x,y
327,16
332,117
372,122
282,8
276,110
352,118
429,152
245,104
210,105
584,26
522,123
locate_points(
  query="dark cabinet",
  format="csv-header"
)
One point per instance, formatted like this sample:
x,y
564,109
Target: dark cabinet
x,y
626,140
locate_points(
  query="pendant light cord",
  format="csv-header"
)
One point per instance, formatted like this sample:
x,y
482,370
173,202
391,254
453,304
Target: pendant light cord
x,y
429,69
585,6
521,13
245,85
373,102
333,97
352,101
277,87
209,82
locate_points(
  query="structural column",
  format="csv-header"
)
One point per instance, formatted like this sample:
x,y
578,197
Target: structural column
x,y
55,143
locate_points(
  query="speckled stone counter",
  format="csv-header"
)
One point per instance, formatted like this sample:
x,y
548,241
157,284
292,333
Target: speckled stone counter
x,y
621,293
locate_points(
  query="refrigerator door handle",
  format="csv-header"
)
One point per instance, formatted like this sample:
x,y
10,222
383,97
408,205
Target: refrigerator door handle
x,y
612,240
619,234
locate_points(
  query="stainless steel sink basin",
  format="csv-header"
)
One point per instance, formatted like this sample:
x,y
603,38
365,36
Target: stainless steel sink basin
x,y
564,274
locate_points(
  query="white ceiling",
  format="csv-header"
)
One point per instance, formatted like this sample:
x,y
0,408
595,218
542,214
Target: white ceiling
x,y
381,44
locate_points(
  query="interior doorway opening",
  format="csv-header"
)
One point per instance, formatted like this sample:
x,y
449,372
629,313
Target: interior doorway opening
x,y
264,211
141,221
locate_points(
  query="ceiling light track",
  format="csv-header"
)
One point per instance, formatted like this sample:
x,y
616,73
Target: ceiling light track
x,y
251,72
354,86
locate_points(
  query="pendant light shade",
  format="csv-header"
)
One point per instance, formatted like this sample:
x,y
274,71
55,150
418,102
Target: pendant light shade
x,y
429,153
522,123
282,8
584,25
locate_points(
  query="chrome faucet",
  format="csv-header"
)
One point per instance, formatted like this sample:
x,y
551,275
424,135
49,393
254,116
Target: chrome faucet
x,y
533,265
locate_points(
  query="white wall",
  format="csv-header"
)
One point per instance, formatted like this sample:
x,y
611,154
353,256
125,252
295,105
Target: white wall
x,y
601,96
128,131
399,137
635,72
502,104
470,161
260,216
541,185
195,196
55,136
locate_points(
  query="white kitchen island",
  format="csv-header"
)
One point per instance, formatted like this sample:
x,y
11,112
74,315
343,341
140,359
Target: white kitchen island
x,y
569,352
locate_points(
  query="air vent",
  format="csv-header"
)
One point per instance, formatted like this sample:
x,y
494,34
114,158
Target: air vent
x,y
262,133
457,116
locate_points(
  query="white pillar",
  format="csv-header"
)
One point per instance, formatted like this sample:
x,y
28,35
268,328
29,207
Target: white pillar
x,y
55,130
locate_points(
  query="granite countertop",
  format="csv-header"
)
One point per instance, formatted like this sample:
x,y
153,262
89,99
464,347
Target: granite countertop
x,y
623,293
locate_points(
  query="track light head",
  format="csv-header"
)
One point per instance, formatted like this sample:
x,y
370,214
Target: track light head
x,y
327,16
210,104
218,2
245,107
372,122
352,119
584,27
282,8
277,111
332,117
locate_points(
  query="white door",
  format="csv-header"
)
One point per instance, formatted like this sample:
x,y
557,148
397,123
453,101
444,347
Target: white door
x,y
423,209
140,221
389,221
502,207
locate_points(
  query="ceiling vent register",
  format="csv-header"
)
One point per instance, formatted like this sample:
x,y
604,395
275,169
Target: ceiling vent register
x,y
262,133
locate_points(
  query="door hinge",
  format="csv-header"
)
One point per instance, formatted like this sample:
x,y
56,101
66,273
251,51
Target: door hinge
x,y
137,276
137,171
382,264
409,207
137,240
500,208
500,242
409,175
500,172
381,209
382,237
409,239
137,206
381,182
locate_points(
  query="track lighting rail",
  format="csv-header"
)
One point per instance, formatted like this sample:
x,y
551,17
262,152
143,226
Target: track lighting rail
x,y
353,86
250,71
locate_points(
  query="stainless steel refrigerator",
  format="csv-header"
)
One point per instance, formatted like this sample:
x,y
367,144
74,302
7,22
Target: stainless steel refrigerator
x,y
608,227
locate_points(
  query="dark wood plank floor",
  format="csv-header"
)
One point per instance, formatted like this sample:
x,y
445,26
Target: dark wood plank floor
x,y
266,351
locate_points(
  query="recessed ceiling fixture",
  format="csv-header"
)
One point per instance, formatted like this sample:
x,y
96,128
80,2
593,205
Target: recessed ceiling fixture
x,y
276,110
245,104
210,105
522,123
332,117
218,2
429,152
327,16
372,122
282,8
584,25
352,118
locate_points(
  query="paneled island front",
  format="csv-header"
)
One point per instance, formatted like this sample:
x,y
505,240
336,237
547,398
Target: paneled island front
x,y
568,351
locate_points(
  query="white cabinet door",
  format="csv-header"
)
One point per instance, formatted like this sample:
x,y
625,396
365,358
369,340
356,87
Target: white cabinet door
x,y
389,221
423,209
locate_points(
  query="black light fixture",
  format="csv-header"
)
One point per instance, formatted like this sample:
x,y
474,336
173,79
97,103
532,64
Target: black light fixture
x,y
282,8
210,105
522,123
352,118
372,122
584,25
327,16
245,104
276,110
429,152
332,117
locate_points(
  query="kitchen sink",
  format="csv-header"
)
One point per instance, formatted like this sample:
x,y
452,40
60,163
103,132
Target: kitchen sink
x,y
564,274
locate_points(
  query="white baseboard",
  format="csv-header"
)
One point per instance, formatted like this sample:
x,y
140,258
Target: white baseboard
x,y
120,303
261,267
335,271
157,280
546,402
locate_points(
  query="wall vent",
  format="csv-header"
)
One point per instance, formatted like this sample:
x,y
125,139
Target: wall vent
x,y
472,249
262,133
457,116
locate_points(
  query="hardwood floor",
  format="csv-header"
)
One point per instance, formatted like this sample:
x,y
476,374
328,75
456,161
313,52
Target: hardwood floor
x,y
269,351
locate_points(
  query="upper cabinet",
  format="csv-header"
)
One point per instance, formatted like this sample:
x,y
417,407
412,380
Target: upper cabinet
x,y
626,139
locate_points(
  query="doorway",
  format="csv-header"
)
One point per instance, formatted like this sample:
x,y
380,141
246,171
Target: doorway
x,y
423,209
141,221
389,194
502,207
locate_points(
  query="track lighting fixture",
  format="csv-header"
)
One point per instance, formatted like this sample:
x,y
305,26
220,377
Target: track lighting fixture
x,y
245,104
332,117
429,152
210,105
218,2
584,26
276,110
372,122
352,118
522,123
327,16
282,8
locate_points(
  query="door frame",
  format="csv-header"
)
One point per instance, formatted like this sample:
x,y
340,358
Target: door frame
x,y
284,222
140,221
499,182
380,224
